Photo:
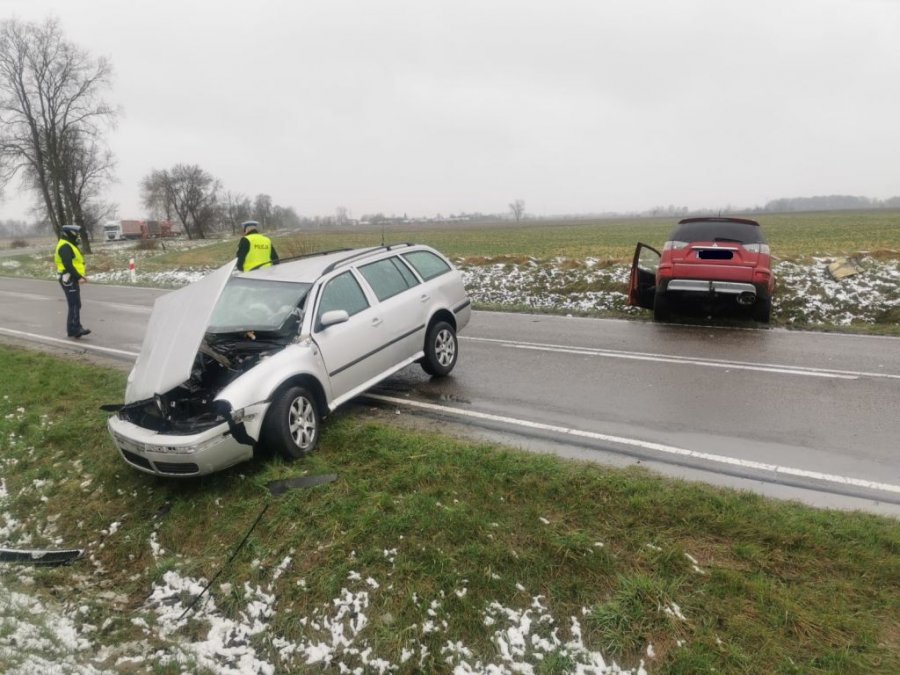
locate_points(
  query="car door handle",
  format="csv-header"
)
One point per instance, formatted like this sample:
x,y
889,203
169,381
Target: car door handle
x,y
376,322
425,297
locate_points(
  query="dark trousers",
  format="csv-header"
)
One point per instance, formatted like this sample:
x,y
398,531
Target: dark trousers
x,y
73,300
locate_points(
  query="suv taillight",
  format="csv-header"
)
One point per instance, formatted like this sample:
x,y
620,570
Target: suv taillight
x,y
757,248
674,245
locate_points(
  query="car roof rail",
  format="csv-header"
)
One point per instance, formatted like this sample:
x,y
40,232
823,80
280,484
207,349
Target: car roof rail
x,y
298,257
360,254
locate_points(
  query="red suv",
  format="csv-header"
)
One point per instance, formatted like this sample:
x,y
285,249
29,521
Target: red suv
x,y
713,263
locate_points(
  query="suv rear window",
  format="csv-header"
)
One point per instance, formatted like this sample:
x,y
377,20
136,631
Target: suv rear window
x,y
718,231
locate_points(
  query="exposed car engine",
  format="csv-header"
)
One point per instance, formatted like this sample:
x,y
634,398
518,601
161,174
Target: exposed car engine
x,y
189,407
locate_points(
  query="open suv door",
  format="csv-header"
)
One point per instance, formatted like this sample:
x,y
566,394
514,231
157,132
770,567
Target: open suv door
x,y
642,284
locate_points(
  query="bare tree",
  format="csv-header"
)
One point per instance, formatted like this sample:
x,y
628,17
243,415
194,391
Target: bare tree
x,y
187,191
262,209
97,212
518,209
154,194
341,215
236,209
52,120
85,166
284,217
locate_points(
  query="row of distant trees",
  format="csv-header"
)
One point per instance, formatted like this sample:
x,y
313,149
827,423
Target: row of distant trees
x,y
782,205
192,196
830,203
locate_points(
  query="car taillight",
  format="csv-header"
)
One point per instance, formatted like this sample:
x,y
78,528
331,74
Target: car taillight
x,y
757,248
674,245
761,276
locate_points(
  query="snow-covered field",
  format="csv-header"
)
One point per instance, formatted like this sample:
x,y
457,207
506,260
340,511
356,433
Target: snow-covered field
x,y
806,293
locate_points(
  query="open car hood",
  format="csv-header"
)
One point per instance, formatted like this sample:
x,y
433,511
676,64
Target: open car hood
x,y
174,333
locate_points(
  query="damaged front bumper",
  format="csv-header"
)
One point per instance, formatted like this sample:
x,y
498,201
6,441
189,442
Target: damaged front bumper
x,y
197,454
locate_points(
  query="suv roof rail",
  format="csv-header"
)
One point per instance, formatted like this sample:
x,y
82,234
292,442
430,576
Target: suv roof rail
x,y
360,254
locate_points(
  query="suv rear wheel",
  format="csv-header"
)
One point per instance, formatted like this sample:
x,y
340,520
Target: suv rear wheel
x,y
762,310
292,424
441,350
661,308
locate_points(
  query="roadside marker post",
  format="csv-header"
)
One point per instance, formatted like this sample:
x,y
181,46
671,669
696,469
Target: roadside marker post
x,y
131,270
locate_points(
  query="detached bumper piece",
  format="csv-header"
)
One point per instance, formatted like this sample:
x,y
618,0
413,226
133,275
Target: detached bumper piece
x,y
40,556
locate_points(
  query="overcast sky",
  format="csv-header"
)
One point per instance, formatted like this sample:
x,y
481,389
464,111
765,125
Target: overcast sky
x,y
427,106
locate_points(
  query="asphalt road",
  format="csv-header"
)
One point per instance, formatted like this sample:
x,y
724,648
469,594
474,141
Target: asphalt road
x,y
807,416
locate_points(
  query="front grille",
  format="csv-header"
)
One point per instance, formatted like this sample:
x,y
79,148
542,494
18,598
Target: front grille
x,y
137,460
182,468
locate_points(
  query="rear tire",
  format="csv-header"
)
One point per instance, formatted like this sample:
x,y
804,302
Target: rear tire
x,y
441,350
293,423
661,309
762,310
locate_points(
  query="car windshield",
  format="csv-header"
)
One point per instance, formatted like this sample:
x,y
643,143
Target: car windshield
x,y
718,231
256,304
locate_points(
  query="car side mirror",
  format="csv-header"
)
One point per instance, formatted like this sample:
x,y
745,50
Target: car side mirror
x,y
333,317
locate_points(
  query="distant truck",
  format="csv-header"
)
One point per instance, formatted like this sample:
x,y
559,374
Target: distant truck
x,y
112,231
146,229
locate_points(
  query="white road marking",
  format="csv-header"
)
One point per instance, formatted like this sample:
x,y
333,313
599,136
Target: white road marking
x,y
140,309
689,360
27,296
66,343
646,445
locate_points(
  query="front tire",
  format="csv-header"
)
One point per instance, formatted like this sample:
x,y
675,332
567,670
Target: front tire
x,y
293,423
441,350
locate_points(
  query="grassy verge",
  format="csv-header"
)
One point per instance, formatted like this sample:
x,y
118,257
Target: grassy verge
x,y
443,554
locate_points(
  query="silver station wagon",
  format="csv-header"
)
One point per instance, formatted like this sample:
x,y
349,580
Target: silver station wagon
x,y
238,362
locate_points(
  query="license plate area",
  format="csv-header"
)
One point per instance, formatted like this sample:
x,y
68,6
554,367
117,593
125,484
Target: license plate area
x,y
715,254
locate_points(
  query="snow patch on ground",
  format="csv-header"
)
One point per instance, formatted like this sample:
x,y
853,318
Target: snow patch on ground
x,y
181,626
805,293
168,279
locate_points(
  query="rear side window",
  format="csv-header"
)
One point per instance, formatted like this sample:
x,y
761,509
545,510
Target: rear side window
x,y
386,277
718,231
427,264
342,292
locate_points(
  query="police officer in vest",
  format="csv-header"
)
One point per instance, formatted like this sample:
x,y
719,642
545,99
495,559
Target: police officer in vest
x,y
70,267
254,250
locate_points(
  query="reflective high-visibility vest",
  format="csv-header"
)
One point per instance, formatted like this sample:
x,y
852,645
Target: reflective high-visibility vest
x,y
77,261
260,251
